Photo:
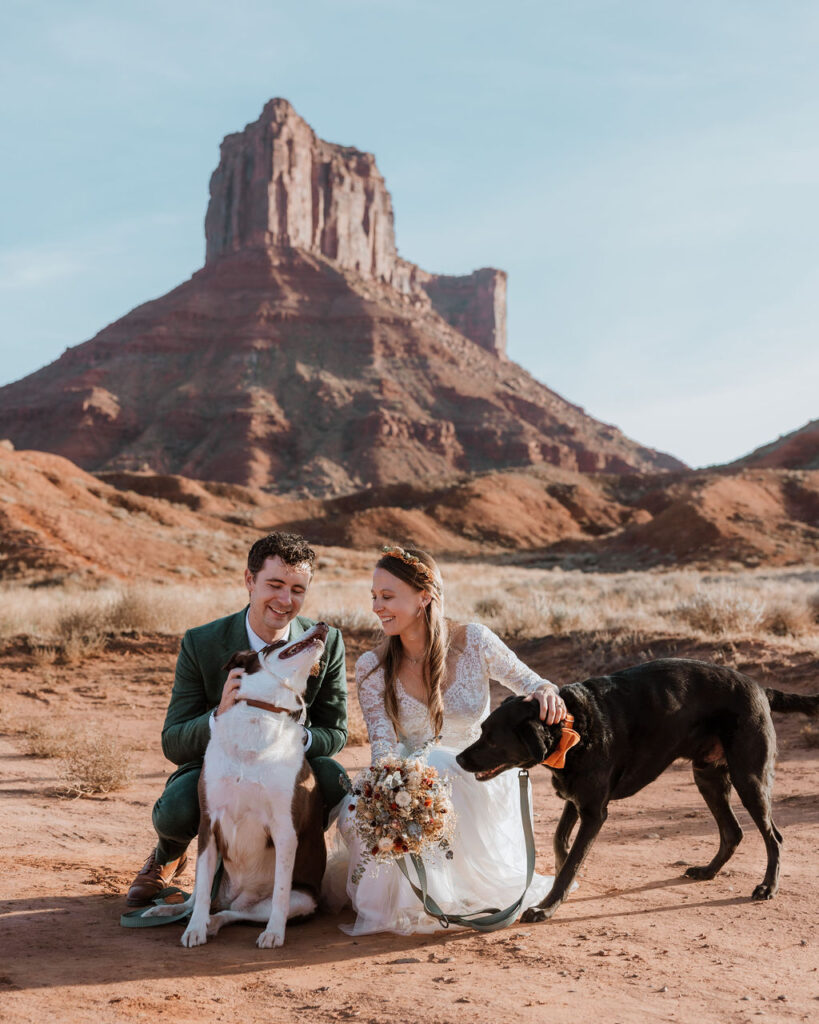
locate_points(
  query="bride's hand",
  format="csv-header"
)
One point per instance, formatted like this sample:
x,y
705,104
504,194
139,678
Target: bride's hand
x,y
552,707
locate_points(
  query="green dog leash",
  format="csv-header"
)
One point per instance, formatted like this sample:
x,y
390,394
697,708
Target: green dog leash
x,y
490,919
137,918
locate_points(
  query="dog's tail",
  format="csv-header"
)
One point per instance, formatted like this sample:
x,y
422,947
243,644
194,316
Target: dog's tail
x,y
780,701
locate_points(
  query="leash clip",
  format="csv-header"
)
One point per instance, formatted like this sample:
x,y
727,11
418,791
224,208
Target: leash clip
x,y
523,773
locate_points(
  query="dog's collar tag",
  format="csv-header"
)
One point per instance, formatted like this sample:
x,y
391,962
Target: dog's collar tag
x,y
568,739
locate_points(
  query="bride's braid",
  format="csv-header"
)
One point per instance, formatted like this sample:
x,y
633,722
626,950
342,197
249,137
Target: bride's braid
x,y
421,572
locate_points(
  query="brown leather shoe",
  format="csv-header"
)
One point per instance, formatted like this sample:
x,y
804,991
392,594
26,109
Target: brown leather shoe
x,y
153,878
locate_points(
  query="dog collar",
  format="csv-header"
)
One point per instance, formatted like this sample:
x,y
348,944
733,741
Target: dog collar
x,y
274,708
568,739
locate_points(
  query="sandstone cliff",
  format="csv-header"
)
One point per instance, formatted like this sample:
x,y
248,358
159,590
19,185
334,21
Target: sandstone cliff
x,y
306,356
278,184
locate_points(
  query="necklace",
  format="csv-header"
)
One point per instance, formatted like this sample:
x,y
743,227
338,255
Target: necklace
x,y
412,661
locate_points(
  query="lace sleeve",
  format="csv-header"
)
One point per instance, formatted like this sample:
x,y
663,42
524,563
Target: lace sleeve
x,y
505,666
370,684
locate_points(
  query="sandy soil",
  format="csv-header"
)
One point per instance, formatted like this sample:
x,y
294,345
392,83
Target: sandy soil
x,y
636,941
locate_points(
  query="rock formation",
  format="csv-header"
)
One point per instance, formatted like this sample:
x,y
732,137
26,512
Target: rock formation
x,y
306,356
60,523
279,185
797,450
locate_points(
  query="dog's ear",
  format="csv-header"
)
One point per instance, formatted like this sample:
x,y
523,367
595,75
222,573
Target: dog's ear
x,y
248,660
536,738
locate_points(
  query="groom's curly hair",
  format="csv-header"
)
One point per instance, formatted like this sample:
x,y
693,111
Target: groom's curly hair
x,y
290,547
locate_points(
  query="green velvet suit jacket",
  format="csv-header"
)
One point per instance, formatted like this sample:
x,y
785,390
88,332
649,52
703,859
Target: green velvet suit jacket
x,y
199,679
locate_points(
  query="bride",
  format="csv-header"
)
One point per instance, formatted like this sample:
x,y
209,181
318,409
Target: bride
x,y
429,681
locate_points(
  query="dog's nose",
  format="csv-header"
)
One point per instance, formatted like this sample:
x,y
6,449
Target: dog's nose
x,y
322,629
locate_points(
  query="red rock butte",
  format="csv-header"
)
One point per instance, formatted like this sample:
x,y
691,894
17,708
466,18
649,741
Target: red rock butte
x,y
279,185
307,356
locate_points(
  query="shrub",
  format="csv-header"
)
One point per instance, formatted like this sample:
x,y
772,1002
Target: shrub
x,y
488,607
788,618
356,620
42,739
94,763
720,610
43,656
78,621
76,647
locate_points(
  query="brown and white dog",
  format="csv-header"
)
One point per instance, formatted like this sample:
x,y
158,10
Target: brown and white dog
x,y
260,807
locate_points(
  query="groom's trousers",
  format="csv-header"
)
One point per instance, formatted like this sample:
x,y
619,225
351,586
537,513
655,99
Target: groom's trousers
x,y
176,812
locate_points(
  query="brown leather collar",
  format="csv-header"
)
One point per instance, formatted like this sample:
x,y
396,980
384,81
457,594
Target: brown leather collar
x,y
568,739
274,708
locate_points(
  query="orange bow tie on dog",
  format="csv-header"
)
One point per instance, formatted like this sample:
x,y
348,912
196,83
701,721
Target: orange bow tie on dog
x,y
568,739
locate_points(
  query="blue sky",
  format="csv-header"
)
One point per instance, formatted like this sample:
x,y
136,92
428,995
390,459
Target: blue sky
x,y
646,172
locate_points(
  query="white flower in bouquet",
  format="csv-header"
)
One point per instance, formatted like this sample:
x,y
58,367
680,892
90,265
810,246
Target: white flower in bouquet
x,y
402,807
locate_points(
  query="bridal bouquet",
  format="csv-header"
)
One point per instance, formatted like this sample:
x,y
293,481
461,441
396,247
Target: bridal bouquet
x,y
402,806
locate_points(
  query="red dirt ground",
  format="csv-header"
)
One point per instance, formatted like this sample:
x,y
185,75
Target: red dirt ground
x,y
636,941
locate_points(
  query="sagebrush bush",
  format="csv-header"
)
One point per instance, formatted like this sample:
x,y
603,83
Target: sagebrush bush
x,y
78,621
77,647
788,618
356,620
94,763
43,656
721,611
45,739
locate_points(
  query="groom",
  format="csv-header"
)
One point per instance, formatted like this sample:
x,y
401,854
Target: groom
x,y
278,575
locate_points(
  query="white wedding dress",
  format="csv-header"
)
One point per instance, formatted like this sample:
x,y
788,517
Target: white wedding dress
x,y
488,868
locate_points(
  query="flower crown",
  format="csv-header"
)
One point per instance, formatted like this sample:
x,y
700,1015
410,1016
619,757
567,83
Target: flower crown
x,y
423,571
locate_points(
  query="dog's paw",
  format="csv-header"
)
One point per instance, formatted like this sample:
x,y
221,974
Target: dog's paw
x,y
166,909
270,939
763,892
534,915
195,935
702,874
160,910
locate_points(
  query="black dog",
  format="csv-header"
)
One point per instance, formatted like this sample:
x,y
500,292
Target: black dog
x,y
632,725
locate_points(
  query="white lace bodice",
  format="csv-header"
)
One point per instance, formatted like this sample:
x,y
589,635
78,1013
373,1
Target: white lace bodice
x,y
484,656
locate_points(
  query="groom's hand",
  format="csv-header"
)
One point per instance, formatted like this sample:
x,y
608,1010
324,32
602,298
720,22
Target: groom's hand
x,y
230,689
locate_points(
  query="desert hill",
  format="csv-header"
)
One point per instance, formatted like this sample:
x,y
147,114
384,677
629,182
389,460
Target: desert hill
x,y
58,522
308,357
797,450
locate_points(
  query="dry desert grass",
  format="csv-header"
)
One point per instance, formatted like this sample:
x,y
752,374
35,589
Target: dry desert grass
x,y
521,603
91,761
70,620
69,623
